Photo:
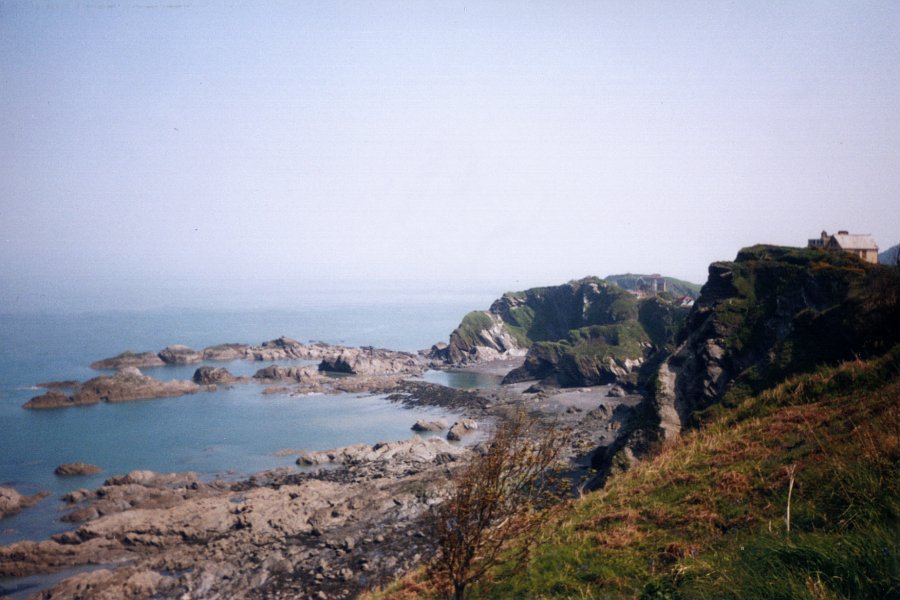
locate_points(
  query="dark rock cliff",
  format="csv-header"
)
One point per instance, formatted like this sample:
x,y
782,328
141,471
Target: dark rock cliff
x,y
778,311
585,332
771,313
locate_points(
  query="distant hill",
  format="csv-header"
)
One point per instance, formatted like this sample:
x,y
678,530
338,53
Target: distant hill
x,y
889,256
676,287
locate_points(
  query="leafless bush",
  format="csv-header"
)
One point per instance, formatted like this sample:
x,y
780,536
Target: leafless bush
x,y
500,496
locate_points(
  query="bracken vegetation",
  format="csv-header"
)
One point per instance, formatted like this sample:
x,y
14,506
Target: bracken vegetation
x,y
705,518
502,496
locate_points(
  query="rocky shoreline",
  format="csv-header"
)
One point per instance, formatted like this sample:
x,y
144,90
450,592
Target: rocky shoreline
x,y
358,519
372,369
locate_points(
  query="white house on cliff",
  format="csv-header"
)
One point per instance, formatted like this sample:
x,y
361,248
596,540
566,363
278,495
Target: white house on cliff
x,y
862,245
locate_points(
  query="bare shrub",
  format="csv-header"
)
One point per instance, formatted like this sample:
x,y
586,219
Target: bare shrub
x,y
500,496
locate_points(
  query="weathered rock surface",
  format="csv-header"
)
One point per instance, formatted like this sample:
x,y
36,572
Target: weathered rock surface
x,y
53,399
285,348
762,317
771,312
79,468
583,333
130,384
137,489
225,352
139,360
55,385
586,362
394,455
431,426
179,354
127,384
371,361
461,429
278,534
213,375
280,373
12,501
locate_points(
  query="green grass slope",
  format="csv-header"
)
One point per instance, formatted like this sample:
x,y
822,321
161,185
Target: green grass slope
x,y
706,517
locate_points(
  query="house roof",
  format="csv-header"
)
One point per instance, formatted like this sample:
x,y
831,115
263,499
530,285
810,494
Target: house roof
x,y
848,241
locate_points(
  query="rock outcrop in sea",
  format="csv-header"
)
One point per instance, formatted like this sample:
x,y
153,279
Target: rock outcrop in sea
x,y
365,363
371,361
127,384
213,375
140,360
11,501
70,469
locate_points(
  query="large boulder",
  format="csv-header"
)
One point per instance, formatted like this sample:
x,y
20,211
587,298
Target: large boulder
x,y
460,429
430,426
283,348
180,355
212,375
12,501
225,352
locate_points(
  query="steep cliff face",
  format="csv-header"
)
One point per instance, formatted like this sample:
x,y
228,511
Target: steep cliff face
x,y
518,319
778,311
593,355
770,313
585,332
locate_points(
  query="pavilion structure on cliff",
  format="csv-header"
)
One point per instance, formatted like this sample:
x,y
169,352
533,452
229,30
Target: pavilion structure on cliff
x,y
861,245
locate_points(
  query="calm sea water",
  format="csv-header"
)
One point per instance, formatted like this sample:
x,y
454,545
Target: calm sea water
x,y
229,432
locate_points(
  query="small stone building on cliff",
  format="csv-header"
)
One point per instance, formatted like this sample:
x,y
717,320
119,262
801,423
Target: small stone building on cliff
x,y
651,284
861,245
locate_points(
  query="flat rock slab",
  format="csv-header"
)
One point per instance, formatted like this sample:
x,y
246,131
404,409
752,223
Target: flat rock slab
x,y
78,468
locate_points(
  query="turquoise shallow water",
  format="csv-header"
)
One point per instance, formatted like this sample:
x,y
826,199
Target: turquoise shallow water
x,y
230,432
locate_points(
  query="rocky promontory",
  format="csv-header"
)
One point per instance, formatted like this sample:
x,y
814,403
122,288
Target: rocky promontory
x,y
583,333
127,384
12,501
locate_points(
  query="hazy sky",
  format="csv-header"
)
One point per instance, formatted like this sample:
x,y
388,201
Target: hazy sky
x,y
184,152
